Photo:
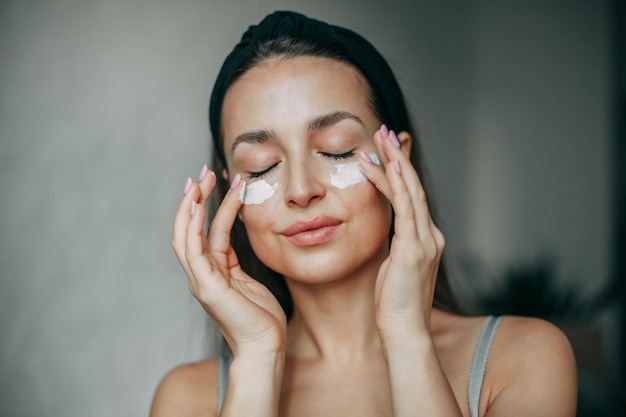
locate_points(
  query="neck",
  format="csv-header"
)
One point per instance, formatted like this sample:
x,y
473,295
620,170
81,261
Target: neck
x,y
335,321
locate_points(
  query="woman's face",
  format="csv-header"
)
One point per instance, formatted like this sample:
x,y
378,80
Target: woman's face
x,y
291,129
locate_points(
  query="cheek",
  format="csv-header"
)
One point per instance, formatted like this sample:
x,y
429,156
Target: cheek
x,y
348,175
379,209
371,212
259,220
258,192
255,217
371,225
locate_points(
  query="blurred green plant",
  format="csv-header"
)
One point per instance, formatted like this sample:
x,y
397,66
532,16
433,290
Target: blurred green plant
x,y
536,290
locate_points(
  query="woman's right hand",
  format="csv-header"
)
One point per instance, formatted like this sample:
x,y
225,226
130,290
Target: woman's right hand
x,y
247,313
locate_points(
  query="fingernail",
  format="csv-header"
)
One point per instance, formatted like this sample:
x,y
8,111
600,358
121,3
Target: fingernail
x,y
203,172
187,185
366,157
394,139
396,165
235,182
242,193
384,132
193,208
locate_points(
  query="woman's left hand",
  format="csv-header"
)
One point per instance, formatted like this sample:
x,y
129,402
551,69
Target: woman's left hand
x,y
406,280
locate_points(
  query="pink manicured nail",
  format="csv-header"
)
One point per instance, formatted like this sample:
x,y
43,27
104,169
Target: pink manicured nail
x,y
187,185
394,139
384,132
396,165
203,172
236,182
366,157
193,208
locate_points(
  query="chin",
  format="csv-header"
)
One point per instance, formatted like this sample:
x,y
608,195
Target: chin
x,y
326,265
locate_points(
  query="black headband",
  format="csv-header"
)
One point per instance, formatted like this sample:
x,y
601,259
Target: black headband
x,y
358,51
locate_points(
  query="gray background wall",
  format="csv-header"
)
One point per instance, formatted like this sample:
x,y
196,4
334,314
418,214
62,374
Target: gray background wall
x,y
103,116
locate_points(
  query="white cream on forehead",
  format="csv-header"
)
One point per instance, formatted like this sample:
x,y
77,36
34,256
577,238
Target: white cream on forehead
x,y
258,192
348,175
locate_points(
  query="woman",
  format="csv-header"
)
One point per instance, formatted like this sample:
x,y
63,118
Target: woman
x,y
360,319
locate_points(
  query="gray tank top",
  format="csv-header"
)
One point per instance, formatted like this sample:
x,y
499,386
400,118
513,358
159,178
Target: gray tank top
x,y
476,375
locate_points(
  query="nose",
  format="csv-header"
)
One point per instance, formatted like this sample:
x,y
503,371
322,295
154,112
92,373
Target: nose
x,y
304,186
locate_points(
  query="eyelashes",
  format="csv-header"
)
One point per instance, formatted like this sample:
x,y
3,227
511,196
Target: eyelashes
x,y
327,155
339,156
260,174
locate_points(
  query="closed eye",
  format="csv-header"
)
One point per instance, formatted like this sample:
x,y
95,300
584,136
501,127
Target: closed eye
x,y
260,174
333,156
339,156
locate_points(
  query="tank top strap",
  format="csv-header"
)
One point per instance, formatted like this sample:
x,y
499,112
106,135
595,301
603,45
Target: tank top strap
x,y
479,362
224,362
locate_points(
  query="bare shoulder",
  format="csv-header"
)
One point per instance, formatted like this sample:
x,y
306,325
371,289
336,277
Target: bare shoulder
x,y
531,371
187,390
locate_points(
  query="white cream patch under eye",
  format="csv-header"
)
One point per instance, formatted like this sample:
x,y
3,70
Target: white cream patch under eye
x,y
258,192
348,175
374,158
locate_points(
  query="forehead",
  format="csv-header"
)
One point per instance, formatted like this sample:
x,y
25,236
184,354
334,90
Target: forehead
x,y
287,92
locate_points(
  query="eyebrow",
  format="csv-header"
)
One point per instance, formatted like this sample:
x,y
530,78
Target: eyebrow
x,y
331,119
317,123
256,136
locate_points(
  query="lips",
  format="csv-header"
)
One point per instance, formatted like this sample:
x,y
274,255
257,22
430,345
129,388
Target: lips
x,y
312,232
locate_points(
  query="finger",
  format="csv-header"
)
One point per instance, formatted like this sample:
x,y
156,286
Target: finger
x,y
181,220
380,137
405,224
440,241
392,150
203,275
375,174
198,192
222,224
206,183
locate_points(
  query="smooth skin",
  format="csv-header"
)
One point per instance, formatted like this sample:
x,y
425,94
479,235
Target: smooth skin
x,y
364,339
